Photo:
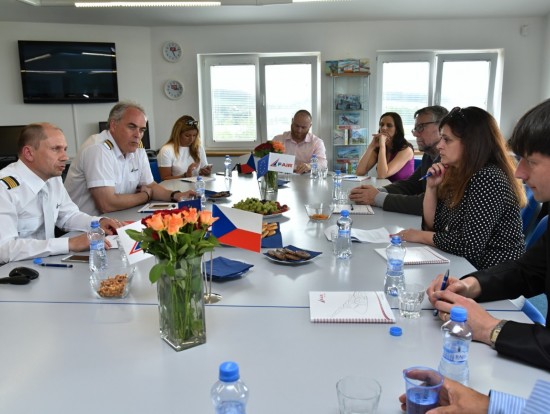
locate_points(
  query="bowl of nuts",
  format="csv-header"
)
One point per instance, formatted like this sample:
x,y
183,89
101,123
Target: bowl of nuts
x,y
319,211
113,282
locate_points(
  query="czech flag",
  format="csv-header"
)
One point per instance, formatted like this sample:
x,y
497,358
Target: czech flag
x,y
247,164
237,228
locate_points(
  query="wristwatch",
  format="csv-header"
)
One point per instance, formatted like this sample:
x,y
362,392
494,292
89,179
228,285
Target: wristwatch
x,y
496,331
172,194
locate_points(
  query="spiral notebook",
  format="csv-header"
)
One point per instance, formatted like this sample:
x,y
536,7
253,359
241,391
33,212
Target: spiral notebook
x,y
350,307
419,255
364,209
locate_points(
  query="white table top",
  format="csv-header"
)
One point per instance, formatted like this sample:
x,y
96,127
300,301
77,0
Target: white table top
x,y
64,350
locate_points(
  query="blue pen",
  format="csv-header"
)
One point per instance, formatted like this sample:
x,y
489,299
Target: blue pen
x,y
429,174
443,286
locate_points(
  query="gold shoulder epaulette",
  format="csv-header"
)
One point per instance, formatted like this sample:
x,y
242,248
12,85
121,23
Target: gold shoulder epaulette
x,y
10,182
108,144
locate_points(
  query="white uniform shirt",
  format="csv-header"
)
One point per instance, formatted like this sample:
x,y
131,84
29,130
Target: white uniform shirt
x,y
22,233
167,158
102,164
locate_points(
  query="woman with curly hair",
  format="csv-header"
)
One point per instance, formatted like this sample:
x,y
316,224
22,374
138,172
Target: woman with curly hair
x,y
472,201
183,155
392,154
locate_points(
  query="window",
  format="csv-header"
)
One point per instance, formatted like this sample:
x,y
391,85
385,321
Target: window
x,y
409,81
248,99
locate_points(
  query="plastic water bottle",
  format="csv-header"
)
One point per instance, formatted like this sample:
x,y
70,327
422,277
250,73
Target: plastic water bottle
x,y
395,275
457,336
199,189
314,167
98,256
343,241
229,394
337,187
227,164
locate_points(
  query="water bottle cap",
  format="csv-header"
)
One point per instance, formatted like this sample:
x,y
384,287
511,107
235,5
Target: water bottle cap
x,y
229,371
345,213
199,178
314,156
396,331
337,172
459,314
94,224
395,239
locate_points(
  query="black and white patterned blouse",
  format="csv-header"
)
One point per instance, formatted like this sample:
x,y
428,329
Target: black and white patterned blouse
x,y
485,227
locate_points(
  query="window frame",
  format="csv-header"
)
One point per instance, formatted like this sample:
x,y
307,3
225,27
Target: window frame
x,y
436,59
260,61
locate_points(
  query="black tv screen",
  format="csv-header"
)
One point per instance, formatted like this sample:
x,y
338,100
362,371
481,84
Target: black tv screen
x,y
68,72
9,136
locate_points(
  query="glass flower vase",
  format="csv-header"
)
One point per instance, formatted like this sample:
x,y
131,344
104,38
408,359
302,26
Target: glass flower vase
x,y
181,305
268,185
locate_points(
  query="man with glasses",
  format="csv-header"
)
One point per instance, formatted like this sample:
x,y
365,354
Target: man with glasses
x,y
111,171
303,144
406,196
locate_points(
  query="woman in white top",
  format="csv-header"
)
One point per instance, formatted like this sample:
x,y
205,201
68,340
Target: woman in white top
x,y
183,155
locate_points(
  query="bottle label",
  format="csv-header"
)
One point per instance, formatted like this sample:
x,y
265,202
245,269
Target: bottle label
x,y
344,233
456,351
95,245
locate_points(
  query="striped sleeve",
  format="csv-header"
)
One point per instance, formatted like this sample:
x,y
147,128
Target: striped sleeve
x,y
502,403
539,400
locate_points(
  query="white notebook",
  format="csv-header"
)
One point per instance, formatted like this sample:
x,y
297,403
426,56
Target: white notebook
x,y
419,255
353,208
352,307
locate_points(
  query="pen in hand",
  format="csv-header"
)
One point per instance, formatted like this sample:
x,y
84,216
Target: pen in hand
x,y
443,286
428,174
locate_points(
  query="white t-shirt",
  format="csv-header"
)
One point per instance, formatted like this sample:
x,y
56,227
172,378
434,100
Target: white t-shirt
x,y
167,158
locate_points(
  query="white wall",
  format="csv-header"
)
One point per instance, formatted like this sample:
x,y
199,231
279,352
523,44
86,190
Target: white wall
x,y
143,71
78,121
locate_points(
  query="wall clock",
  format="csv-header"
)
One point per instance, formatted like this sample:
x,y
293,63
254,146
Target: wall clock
x,y
171,51
173,89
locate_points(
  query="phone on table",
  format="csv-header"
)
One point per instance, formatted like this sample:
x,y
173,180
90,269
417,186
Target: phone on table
x,y
78,258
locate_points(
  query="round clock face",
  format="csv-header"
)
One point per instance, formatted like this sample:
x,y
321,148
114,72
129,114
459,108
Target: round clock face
x,y
173,89
171,51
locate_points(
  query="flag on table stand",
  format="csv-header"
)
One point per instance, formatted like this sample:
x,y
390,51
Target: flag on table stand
x,y
237,228
262,166
246,163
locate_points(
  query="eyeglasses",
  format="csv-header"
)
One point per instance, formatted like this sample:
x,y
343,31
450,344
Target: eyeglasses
x,y
420,127
191,122
457,112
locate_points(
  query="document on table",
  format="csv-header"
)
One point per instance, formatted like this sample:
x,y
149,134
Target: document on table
x,y
350,307
356,178
419,255
363,209
380,235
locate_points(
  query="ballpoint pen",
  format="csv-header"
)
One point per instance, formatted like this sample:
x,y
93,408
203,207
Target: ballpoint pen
x,y
38,261
428,174
443,286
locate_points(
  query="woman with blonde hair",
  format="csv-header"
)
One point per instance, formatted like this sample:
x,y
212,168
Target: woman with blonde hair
x,y
183,155
472,201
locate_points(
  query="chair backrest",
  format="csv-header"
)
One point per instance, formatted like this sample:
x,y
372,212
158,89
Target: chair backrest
x,y
155,170
530,212
537,232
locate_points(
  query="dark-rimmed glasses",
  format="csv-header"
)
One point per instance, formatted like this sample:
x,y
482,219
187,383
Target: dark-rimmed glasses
x,y
457,112
420,127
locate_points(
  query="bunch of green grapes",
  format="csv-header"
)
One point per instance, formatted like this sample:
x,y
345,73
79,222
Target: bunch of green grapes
x,y
257,206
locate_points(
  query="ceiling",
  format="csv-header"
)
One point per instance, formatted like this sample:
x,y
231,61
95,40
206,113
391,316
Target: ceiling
x,y
353,10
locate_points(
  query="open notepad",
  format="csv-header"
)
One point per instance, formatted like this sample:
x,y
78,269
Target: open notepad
x,y
419,255
363,307
353,208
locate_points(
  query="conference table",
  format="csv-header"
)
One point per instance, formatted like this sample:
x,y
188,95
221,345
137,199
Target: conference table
x,y
65,350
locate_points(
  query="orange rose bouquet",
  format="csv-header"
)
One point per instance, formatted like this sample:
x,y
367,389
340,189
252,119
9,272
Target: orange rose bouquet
x,y
178,239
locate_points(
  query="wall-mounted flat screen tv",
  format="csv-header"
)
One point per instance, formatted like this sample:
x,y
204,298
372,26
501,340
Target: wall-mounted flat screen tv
x,y
68,72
